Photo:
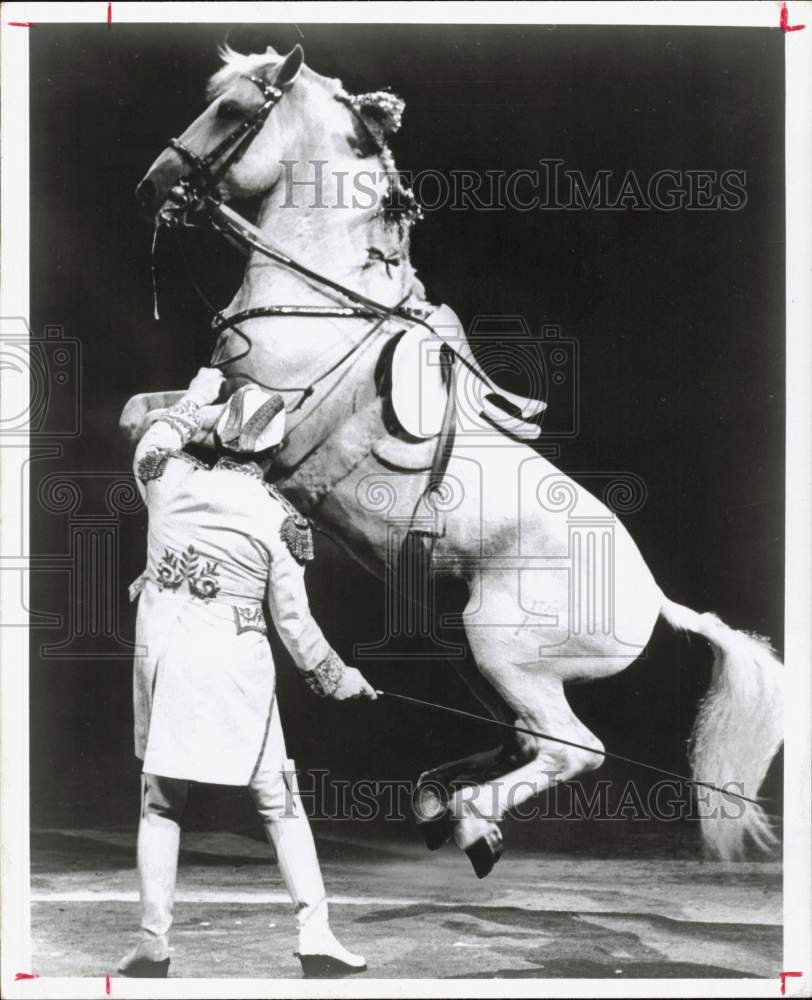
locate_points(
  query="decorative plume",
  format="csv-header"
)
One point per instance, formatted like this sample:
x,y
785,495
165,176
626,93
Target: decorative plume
x,y
381,112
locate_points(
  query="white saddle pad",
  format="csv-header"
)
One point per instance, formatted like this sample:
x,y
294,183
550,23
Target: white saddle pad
x,y
418,393
419,396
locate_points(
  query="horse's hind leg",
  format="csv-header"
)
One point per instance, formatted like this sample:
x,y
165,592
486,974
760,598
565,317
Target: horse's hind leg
x,y
436,787
528,671
477,810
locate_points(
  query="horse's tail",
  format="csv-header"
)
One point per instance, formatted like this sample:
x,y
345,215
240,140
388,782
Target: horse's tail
x,y
738,730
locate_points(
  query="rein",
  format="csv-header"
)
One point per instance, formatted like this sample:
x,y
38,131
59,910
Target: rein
x,y
221,323
246,237
240,233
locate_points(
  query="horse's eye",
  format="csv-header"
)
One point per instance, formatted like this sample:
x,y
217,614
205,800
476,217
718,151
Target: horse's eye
x,y
230,110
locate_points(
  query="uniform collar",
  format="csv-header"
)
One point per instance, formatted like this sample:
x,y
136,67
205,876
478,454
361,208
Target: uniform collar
x,y
246,468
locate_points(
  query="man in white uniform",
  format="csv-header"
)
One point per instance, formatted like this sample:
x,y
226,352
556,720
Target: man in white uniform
x,y
221,543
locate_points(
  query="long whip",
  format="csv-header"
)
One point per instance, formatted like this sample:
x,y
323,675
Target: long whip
x,y
569,743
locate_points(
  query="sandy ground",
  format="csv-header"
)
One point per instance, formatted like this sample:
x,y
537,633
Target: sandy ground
x,y
411,913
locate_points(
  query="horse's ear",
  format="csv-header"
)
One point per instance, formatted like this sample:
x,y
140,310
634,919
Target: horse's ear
x,y
290,68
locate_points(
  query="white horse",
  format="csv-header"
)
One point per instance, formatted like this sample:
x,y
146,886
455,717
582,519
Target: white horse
x,y
557,589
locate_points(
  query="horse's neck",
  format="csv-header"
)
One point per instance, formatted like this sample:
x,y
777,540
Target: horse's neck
x,y
333,241
332,238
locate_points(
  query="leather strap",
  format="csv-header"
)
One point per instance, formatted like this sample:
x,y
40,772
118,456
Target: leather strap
x,y
442,455
448,431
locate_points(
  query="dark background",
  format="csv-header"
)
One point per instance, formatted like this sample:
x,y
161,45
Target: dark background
x,y
679,317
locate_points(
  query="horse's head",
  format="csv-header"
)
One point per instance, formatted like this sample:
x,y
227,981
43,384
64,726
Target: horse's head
x,y
266,112
238,141
259,106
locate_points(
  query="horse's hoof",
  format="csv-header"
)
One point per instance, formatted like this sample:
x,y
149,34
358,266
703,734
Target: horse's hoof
x,y
485,852
437,832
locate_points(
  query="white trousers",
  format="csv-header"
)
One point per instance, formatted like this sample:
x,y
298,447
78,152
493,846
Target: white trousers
x,y
275,793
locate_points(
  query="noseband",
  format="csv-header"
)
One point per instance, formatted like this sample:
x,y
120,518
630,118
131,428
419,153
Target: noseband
x,y
192,190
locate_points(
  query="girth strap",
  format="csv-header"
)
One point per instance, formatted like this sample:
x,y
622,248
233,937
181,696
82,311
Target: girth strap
x,y
448,430
442,454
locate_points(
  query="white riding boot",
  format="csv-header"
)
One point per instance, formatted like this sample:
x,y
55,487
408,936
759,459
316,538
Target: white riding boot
x,y
320,953
158,845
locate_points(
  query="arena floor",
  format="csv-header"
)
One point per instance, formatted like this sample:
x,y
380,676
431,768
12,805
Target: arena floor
x,y
413,914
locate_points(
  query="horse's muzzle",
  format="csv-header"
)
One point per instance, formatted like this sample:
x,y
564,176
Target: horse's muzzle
x,y
157,183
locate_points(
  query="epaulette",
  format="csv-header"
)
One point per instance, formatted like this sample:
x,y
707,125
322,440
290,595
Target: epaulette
x,y
295,529
151,466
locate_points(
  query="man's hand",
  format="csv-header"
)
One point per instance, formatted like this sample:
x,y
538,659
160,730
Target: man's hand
x,y
353,685
205,386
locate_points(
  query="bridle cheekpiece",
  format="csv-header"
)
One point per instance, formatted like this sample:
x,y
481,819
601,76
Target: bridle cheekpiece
x,y
193,189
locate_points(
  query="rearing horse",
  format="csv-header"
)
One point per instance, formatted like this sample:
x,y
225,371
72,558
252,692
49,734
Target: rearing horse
x,y
557,589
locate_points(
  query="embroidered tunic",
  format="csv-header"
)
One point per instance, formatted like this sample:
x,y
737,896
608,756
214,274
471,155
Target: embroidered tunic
x,y
221,542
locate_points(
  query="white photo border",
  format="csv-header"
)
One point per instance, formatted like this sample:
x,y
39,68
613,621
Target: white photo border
x,y
14,302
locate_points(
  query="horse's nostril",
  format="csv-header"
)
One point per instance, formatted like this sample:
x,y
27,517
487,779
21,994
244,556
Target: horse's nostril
x,y
145,193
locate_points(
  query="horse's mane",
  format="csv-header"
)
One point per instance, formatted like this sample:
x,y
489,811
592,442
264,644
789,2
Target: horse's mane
x,y
238,63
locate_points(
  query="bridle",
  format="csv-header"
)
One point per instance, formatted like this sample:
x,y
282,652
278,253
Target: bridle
x,y
196,194
192,190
